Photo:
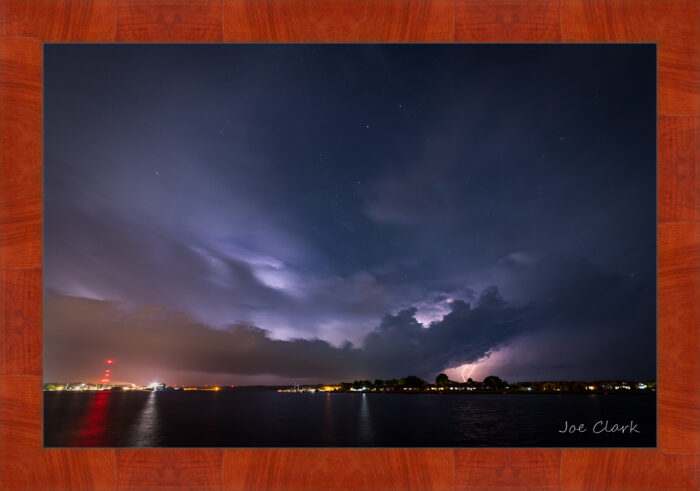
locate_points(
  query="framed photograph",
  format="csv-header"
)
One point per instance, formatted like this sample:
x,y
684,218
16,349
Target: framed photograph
x,y
350,245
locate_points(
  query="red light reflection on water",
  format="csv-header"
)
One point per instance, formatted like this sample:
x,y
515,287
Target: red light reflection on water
x,y
94,423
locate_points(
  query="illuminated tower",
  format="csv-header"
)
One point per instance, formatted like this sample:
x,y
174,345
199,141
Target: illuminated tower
x,y
107,378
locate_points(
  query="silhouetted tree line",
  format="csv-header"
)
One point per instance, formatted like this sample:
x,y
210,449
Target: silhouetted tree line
x,y
413,382
493,383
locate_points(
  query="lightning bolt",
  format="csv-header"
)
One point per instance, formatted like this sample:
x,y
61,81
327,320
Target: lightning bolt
x,y
473,367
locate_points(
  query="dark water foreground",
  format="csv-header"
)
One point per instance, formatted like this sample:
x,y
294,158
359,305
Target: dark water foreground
x,y
271,419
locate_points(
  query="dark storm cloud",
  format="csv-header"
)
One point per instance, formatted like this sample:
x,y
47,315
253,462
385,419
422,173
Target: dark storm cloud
x,y
155,337
151,336
402,345
325,193
605,321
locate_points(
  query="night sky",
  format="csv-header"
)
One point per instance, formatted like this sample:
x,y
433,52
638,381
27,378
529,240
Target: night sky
x,y
251,214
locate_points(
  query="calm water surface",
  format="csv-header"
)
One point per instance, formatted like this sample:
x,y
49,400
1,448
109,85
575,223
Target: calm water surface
x,y
272,419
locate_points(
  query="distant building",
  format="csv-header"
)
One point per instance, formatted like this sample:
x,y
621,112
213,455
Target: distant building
x,y
330,388
157,386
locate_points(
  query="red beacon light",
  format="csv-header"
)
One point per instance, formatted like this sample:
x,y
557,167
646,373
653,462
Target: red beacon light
x,y
107,374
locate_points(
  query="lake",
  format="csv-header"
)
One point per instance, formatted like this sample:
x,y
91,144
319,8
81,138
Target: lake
x,y
242,418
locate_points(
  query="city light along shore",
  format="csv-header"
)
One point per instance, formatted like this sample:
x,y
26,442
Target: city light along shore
x,y
410,384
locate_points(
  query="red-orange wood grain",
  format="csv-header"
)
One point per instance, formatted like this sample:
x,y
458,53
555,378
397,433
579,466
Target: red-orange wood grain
x,y
679,169
169,469
639,469
56,21
679,338
169,21
20,153
26,24
338,21
514,21
20,322
482,469
339,469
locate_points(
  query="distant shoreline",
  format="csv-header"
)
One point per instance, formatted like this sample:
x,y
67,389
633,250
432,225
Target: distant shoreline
x,y
485,392
492,385
413,392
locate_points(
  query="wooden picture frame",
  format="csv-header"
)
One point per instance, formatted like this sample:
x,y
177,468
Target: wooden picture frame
x,y
26,24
